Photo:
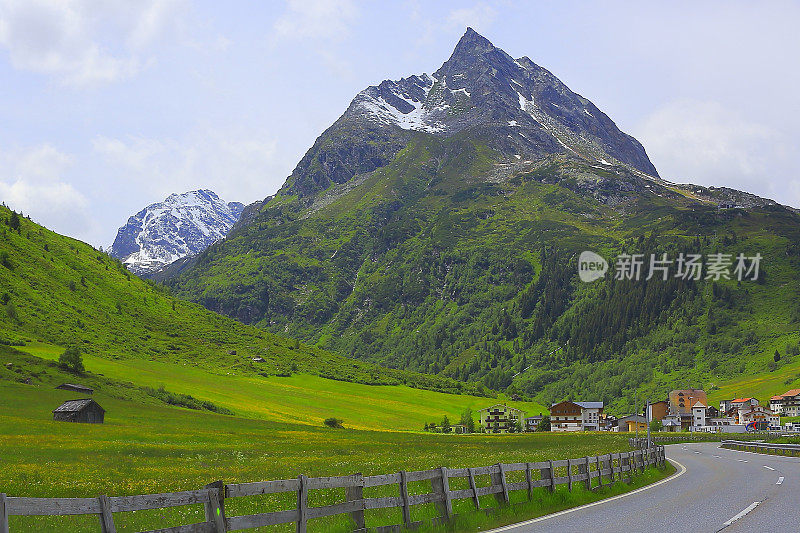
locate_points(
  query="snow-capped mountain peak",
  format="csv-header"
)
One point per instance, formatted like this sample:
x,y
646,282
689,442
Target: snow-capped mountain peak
x,y
482,87
182,225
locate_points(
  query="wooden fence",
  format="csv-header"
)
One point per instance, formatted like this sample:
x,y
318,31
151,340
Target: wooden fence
x,y
792,450
606,468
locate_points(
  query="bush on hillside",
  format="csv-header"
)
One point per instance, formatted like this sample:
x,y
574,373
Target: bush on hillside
x,y
334,423
71,360
185,400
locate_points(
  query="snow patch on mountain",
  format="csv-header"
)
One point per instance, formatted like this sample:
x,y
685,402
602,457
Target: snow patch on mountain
x,y
182,225
406,103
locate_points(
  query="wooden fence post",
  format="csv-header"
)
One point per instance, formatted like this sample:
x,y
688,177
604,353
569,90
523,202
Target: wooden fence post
x,y
215,506
474,488
583,468
628,466
547,473
356,493
3,513
599,471
106,518
529,479
499,478
302,504
441,486
569,474
404,496
611,467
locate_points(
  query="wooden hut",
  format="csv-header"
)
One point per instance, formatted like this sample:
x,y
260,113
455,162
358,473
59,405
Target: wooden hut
x,y
75,388
85,410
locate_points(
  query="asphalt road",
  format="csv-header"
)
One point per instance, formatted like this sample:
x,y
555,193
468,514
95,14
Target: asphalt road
x,y
720,490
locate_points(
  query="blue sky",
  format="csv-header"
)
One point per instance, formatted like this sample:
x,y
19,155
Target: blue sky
x,y
109,106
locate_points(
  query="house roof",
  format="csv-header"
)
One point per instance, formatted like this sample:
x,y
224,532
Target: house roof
x,y
590,405
741,400
758,409
500,405
632,418
75,387
698,403
74,406
779,397
793,392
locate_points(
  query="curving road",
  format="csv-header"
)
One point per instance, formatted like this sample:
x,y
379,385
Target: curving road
x,y
714,490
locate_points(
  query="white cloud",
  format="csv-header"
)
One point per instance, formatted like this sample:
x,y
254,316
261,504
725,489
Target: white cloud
x,y
238,167
83,42
705,143
316,19
479,17
32,181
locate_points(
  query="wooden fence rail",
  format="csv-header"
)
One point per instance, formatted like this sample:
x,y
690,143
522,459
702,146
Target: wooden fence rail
x,y
792,450
606,468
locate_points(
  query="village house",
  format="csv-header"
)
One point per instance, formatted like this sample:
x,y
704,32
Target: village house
x,y
632,423
86,410
699,414
658,410
500,418
576,416
680,414
786,404
740,403
755,413
532,422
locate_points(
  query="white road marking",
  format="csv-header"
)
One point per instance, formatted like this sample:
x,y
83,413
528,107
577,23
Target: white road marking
x,y
742,460
717,456
696,452
780,481
741,514
768,467
599,502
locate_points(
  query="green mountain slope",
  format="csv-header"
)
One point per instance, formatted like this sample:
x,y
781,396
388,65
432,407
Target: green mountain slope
x,y
453,260
64,292
436,225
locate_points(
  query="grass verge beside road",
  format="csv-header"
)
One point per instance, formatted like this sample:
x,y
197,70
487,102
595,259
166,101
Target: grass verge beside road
x,y
545,502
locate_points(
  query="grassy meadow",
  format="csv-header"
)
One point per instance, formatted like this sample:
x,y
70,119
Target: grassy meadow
x,y
299,398
147,447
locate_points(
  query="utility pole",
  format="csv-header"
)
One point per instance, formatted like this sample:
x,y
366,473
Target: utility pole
x,y
647,419
635,413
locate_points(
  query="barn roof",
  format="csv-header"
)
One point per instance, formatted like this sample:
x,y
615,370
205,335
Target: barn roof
x,y
74,406
76,387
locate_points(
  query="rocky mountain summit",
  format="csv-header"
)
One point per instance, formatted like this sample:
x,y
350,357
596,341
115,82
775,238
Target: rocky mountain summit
x,y
182,225
517,107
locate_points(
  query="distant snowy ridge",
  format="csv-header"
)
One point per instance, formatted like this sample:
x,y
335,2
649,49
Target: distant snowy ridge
x,y
182,225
